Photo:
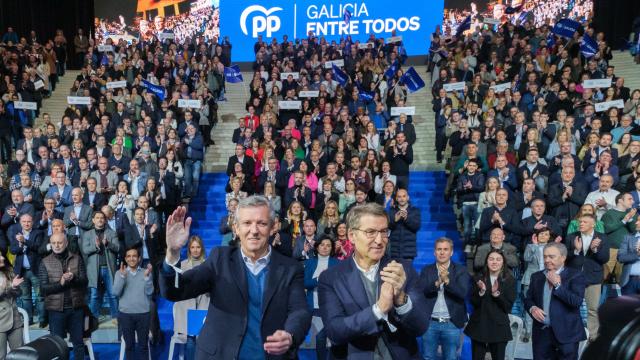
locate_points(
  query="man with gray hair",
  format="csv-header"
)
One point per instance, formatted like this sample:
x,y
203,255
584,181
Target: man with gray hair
x,y
372,306
258,307
553,300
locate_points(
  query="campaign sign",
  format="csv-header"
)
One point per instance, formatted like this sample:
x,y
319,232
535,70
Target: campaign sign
x,y
394,39
117,84
195,321
78,100
246,20
105,48
501,87
285,75
289,104
407,110
308,93
184,103
38,85
457,86
604,106
338,63
596,83
26,105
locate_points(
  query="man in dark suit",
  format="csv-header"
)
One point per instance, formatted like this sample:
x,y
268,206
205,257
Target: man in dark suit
x,y
445,286
408,129
257,305
592,156
246,161
92,197
588,251
273,175
238,132
24,243
629,256
500,215
533,169
372,306
566,198
17,207
553,300
298,192
77,219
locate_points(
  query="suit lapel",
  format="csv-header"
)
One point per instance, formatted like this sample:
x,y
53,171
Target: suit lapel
x,y
238,271
273,276
354,285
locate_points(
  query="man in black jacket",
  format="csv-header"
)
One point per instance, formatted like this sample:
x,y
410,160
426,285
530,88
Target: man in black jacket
x,y
400,157
566,198
404,223
500,215
588,251
445,285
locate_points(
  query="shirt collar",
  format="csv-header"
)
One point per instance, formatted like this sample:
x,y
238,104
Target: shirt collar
x,y
264,260
368,273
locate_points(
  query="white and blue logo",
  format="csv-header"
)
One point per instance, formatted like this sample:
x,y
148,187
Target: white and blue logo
x,y
262,21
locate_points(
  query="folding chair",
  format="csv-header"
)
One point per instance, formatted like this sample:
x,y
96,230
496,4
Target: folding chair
x,y
516,329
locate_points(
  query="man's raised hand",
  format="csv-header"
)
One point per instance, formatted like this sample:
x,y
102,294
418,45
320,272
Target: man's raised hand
x,y
177,233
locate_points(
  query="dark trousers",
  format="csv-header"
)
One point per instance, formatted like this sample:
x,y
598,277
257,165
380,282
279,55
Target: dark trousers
x,y
5,148
132,324
441,144
402,181
69,321
479,350
546,346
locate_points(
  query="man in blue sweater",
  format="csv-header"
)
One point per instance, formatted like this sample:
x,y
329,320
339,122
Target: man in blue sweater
x,y
258,308
193,146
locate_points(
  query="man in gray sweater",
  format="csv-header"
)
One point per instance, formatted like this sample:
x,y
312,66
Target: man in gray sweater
x,y
134,288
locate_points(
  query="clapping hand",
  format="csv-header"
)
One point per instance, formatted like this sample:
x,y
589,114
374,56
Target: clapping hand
x,y
594,244
495,289
482,287
123,270
17,281
147,271
278,343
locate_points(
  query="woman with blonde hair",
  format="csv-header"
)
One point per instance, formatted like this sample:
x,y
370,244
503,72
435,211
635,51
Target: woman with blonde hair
x,y
554,148
592,141
329,220
195,257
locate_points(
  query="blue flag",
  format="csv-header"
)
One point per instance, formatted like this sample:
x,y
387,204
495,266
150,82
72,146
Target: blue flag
x,y
363,94
412,80
340,76
157,90
464,26
566,28
392,70
588,46
551,41
346,16
232,74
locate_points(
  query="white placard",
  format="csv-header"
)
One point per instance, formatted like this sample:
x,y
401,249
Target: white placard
x,y
78,100
117,84
501,87
491,21
184,103
166,36
38,84
285,75
264,75
394,39
604,106
338,63
105,48
458,86
407,110
289,104
596,83
365,46
26,105
309,93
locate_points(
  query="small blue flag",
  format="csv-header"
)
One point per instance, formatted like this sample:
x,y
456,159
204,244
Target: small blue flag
x,y
340,76
363,94
157,90
232,74
522,17
566,28
588,46
551,40
412,80
464,26
346,16
392,70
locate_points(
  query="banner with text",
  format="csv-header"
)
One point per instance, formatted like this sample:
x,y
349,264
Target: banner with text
x,y
412,22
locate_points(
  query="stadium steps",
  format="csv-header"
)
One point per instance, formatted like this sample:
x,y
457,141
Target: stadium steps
x,y
57,103
237,94
626,68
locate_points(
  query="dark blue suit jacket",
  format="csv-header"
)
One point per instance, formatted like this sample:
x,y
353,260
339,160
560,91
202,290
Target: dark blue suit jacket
x,y
590,264
564,308
223,276
454,293
36,238
349,319
311,283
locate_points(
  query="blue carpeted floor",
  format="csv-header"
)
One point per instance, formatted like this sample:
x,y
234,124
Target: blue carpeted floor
x,y
426,193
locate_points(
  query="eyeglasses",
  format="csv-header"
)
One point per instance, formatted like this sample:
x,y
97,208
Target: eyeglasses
x,y
373,233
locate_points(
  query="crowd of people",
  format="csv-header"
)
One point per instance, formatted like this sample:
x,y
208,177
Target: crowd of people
x,y
184,27
539,162
546,187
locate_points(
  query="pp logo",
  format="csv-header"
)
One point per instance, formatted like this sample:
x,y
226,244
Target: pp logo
x,y
260,22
